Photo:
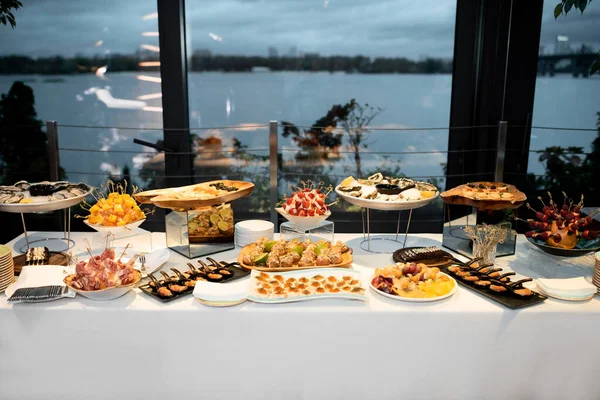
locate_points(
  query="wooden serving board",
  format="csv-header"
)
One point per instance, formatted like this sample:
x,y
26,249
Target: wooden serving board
x,y
183,197
346,262
56,258
455,196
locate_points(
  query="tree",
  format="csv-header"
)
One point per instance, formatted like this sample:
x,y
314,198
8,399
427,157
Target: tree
x,y
23,144
6,14
355,125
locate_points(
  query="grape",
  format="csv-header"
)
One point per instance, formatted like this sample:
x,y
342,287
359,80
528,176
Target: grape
x,y
557,237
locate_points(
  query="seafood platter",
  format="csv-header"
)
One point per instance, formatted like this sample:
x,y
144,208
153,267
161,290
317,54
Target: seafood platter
x,y
380,192
413,282
291,255
485,196
25,197
103,277
182,283
563,230
285,287
198,195
307,207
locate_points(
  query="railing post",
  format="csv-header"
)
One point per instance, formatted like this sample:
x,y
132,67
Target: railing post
x,y
273,155
53,163
501,153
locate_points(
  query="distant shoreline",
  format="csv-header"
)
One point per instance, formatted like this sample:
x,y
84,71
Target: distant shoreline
x,y
58,65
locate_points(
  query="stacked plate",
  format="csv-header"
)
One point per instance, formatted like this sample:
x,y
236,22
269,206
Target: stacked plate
x,y
250,231
7,267
596,278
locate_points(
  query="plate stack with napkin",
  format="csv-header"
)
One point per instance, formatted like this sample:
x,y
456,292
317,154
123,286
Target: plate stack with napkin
x,y
221,294
40,283
7,267
247,232
572,289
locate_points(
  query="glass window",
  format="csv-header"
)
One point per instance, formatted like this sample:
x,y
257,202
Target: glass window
x,y
303,63
564,139
91,64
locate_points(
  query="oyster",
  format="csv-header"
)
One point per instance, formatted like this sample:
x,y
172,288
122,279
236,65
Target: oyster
x,y
376,178
355,194
350,188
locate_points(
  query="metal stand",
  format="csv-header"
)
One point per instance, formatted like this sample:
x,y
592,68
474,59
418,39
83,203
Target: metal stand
x,y
66,238
366,243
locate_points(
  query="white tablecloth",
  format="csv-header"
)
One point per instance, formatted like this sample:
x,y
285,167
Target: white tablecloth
x,y
465,347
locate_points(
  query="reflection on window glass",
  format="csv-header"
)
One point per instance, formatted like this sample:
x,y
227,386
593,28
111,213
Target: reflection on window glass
x,y
90,63
567,97
336,65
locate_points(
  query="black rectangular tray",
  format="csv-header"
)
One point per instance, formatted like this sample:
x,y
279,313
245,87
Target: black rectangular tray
x,y
506,300
238,273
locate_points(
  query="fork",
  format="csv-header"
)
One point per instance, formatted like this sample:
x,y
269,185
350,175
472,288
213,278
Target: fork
x,y
143,261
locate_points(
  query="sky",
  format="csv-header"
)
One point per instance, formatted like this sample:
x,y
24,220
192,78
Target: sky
x,y
385,28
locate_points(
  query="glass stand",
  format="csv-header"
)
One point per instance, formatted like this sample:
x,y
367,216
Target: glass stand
x,y
380,244
63,243
324,231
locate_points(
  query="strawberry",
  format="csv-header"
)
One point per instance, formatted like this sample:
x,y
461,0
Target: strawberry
x,y
298,204
293,211
317,191
310,195
302,213
289,200
321,202
311,213
306,204
300,195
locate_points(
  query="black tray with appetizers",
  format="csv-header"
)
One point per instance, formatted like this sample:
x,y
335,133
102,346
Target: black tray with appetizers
x,y
485,280
180,284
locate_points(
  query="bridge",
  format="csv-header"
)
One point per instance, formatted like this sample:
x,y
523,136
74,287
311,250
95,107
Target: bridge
x,y
579,64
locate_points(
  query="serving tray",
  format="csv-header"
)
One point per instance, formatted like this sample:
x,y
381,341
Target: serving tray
x,y
56,258
346,262
454,196
507,300
238,273
173,198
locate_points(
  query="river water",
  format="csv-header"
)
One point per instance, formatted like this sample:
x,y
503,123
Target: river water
x,y
238,99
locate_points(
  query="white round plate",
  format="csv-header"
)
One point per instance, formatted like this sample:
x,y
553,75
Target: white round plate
x,y
45,206
305,223
415,300
116,230
386,205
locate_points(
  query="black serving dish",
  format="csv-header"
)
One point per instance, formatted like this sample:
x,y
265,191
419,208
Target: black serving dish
x,y
506,299
557,251
430,256
238,273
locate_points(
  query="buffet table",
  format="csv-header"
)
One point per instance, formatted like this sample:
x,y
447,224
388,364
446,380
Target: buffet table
x,y
464,347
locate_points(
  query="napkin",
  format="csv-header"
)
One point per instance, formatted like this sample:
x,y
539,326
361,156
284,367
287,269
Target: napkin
x,y
156,259
36,276
572,287
225,292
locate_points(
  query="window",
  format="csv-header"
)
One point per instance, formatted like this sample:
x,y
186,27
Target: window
x,y
255,61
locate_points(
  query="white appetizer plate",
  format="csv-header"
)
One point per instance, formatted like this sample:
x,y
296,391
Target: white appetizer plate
x,y
416,300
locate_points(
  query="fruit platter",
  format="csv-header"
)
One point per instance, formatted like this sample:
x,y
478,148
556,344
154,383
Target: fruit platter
x,y
563,230
307,206
282,255
413,282
386,193
485,196
198,195
25,197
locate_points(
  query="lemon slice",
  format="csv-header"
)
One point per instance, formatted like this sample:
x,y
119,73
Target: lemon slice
x,y
298,249
427,194
261,259
226,213
348,181
215,219
224,226
269,245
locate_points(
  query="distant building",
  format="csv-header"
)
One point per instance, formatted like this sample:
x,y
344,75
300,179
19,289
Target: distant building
x,y
202,53
293,52
311,55
562,45
273,52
